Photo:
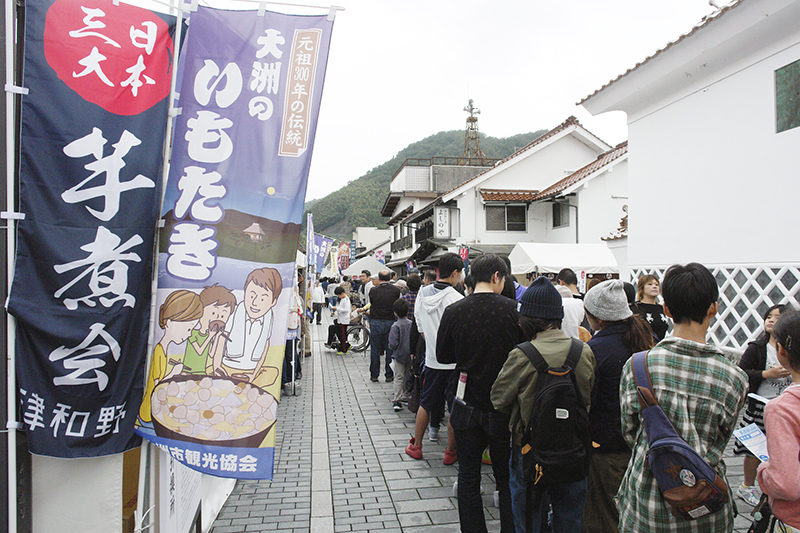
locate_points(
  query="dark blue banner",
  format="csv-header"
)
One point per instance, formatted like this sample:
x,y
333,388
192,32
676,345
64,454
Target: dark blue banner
x,y
92,138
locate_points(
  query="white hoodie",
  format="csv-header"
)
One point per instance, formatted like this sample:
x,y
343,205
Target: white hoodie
x,y
431,303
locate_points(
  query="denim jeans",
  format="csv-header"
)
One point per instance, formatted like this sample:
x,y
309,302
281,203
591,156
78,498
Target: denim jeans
x,y
379,344
567,499
474,430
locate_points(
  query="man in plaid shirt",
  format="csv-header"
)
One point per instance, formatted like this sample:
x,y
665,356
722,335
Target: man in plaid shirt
x,y
700,391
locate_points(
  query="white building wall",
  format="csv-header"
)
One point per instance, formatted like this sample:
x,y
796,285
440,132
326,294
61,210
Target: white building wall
x,y
537,172
600,203
711,180
548,165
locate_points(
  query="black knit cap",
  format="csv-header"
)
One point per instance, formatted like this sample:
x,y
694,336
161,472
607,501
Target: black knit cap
x,y
542,300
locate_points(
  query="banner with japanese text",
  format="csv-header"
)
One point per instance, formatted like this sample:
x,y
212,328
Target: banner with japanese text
x,y
92,137
322,246
232,212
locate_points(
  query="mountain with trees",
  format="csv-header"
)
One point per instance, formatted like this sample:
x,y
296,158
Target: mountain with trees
x,y
359,202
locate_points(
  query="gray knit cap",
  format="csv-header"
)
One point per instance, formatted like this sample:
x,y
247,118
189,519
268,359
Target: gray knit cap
x,y
607,301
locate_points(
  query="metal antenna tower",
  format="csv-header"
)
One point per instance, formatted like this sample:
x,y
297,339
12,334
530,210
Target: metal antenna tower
x,y
472,141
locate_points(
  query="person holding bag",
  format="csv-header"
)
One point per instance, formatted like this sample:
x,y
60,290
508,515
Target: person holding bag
x,y
700,391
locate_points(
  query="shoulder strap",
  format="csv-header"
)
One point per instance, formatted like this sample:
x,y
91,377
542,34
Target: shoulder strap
x,y
575,350
641,376
533,354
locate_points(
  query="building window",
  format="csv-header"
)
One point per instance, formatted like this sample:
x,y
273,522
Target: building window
x,y
787,96
506,218
560,215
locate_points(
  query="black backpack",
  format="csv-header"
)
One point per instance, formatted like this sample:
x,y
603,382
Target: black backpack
x,y
557,442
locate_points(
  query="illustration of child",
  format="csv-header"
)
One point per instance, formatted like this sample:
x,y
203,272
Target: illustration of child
x,y
177,316
250,327
218,304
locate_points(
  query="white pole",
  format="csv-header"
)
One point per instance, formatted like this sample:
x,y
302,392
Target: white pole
x,y
147,479
11,381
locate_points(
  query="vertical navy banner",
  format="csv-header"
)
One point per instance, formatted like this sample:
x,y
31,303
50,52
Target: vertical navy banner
x,y
92,138
233,207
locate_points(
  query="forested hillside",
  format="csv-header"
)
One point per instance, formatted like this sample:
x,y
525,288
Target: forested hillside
x,y
359,202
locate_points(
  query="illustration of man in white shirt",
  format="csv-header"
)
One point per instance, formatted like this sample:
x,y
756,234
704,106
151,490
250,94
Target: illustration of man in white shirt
x,y
250,327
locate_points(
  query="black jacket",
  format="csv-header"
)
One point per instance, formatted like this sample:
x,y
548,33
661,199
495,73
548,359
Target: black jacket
x,y
754,362
611,353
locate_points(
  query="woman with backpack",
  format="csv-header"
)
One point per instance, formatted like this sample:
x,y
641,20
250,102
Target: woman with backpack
x,y
515,392
618,334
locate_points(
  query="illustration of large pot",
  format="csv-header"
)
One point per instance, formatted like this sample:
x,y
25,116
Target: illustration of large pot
x,y
214,411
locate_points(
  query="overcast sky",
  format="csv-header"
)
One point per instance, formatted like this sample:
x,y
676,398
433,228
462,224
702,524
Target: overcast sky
x,y
401,71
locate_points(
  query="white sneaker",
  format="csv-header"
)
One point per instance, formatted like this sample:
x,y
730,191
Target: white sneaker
x,y
433,434
751,495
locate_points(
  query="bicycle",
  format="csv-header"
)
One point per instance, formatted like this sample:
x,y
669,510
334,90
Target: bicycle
x,y
357,337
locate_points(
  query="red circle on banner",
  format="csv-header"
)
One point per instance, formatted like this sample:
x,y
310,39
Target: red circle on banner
x,y
118,57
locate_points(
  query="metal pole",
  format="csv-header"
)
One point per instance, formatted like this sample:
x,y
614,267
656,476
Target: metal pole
x,y
10,147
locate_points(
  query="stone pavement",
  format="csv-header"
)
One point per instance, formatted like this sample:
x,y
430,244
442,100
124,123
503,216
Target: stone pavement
x,y
340,463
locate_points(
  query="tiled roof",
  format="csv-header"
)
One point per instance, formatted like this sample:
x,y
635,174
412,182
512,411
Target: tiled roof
x,y
402,214
622,231
601,161
705,22
507,195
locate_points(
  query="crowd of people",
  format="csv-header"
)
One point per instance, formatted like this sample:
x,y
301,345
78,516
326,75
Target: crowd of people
x,y
478,346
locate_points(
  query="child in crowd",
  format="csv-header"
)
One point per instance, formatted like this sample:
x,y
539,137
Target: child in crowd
x,y
399,345
780,476
342,320
768,379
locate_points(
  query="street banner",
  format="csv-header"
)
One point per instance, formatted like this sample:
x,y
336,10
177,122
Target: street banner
x,y
344,255
352,251
379,256
232,212
335,261
322,246
92,137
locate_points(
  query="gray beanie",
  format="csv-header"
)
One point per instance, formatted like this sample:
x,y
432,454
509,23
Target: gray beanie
x,y
541,300
607,301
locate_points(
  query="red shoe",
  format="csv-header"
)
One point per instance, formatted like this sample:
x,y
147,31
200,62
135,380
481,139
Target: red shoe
x,y
449,457
413,450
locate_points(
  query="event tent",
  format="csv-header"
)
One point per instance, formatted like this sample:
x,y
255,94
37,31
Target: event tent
x,y
550,258
365,263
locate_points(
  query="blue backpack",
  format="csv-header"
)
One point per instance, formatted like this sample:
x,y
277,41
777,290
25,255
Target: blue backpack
x,y
687,482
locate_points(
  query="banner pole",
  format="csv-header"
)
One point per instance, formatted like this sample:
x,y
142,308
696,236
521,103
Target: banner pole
x,y
147,478
11,383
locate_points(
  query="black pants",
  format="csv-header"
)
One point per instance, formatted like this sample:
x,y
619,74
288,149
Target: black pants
x,y
338,330
317,311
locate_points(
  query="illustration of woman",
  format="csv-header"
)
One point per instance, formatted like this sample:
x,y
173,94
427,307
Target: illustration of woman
x,y
177,316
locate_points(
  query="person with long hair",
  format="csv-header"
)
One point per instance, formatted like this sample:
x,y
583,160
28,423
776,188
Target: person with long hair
x,y
618,335
779,477
767,378
648,289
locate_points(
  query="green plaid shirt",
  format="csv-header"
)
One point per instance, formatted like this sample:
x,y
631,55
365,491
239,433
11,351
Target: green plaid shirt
x,y
702,393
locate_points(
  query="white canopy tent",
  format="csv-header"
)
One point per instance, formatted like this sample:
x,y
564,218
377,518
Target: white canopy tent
x,y
550,258
365,263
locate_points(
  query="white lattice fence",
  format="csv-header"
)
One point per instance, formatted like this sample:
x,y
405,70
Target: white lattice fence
x,y
745,294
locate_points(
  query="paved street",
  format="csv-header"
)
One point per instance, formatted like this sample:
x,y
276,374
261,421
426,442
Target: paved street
x,y
340,464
